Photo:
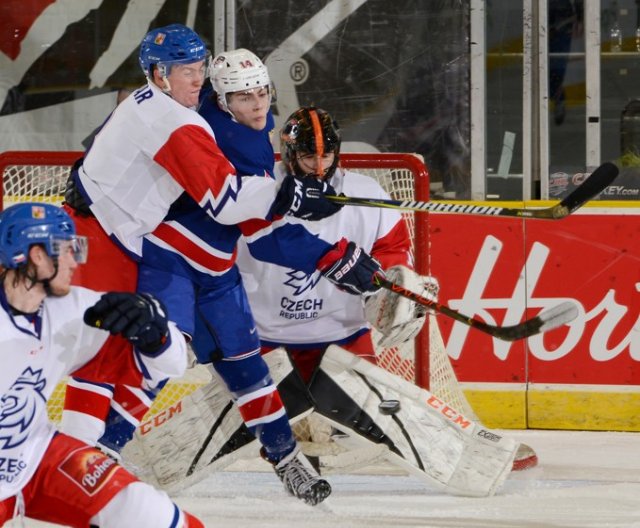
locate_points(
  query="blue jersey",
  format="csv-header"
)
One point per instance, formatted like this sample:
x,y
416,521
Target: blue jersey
x,y
193,244
249,150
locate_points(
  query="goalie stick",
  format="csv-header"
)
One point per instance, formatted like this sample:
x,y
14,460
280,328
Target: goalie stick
x,y
547,320
601,178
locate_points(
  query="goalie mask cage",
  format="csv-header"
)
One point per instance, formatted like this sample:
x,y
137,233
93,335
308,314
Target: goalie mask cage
x,y
41,176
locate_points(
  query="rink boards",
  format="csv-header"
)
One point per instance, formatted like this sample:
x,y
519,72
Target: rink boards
x,y
584,376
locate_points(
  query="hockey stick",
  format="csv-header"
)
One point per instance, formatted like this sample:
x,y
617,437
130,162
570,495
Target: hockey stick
x,y
601,178
547,320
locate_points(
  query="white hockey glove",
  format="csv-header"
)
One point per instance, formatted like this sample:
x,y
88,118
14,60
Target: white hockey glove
x,y
397,318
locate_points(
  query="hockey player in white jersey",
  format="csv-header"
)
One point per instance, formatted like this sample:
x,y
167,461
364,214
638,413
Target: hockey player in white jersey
x,y
295,311
304,314
159,185
45,474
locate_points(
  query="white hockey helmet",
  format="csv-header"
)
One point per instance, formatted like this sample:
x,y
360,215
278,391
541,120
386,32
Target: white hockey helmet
x,y
236,71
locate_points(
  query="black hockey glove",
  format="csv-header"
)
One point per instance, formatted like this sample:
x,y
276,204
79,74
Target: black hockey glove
x,y
304,198
138,317
350,268
72,196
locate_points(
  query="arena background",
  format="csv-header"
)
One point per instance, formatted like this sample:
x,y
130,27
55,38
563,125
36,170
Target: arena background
x,y
462,83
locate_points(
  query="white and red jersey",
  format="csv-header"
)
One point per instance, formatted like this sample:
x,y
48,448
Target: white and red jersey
x,y
150,151
38,351
293,308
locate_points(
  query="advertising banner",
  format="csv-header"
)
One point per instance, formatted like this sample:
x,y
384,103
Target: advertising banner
x,y
506,270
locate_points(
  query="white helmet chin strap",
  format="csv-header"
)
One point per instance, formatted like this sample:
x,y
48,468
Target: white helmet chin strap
x,y
167,86
162,70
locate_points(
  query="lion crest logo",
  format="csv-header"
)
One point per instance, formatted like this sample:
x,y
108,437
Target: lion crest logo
x,y
19,407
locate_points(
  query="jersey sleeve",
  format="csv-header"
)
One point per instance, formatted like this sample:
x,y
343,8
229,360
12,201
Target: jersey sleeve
x,y
284,244
195,161
394,247
103,358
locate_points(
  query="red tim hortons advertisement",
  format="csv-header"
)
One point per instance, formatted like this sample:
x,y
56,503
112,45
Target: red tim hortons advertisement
x,y
503,271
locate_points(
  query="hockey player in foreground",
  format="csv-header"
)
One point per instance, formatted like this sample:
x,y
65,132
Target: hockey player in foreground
x,y
45,474
157,183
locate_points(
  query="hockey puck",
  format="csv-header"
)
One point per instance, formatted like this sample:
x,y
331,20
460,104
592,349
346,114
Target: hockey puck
x,y
389,406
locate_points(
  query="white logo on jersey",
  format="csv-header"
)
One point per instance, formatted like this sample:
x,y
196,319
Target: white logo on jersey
x,y
19,406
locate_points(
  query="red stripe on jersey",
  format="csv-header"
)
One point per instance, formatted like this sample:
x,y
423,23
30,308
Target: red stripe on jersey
x,y
195,161
115,363
251,227
394,248
87,402
191,250
129,401
261,406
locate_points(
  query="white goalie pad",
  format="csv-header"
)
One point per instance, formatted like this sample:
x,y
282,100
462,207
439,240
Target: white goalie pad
x,y
201,433
397,318
423,435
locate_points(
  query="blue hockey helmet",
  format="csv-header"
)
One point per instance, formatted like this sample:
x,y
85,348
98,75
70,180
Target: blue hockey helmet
x,y
25,224
173,44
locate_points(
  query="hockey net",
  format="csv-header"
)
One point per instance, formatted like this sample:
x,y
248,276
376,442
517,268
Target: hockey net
x,y
41,176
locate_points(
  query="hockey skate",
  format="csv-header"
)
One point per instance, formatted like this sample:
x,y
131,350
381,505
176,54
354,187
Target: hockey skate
x,y
300,479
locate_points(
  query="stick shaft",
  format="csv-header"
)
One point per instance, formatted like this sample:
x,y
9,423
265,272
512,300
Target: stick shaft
x,y
558,316
601,178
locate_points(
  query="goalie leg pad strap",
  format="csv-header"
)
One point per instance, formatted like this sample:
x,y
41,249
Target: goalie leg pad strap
x,y
204,432
424,435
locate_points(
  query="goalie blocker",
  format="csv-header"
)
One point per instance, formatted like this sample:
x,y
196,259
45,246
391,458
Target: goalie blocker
x,y
418,432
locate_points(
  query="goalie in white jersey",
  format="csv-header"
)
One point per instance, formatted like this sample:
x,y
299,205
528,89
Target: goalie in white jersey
x,y
300,311
45,474
297,312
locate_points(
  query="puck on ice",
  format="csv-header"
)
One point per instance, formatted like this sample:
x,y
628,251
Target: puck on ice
x,y
389,406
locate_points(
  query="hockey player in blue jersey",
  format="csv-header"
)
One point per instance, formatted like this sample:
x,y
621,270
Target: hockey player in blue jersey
x,y
159,185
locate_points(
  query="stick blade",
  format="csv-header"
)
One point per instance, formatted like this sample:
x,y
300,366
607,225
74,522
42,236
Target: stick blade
x,y
545,321
597,182
557,316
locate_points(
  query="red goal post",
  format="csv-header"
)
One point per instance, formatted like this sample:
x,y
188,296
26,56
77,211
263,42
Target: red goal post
x,y
41,176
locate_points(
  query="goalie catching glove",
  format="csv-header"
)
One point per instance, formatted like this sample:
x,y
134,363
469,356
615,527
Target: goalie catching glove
x,y
138,317
350,268
397,318
304,198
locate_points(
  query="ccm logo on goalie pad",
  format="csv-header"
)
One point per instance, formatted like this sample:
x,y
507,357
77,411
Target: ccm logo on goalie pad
x,y
449,413
161,418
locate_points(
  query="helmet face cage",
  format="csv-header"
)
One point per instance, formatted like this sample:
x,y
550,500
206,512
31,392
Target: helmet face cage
x,y
236,71
169,45
310,130
27,224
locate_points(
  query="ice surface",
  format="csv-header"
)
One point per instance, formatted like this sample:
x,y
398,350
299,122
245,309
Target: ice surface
x,y
584,480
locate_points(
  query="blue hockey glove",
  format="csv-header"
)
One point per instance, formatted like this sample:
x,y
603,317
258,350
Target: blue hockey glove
x,y
138,317
350,268
304,198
